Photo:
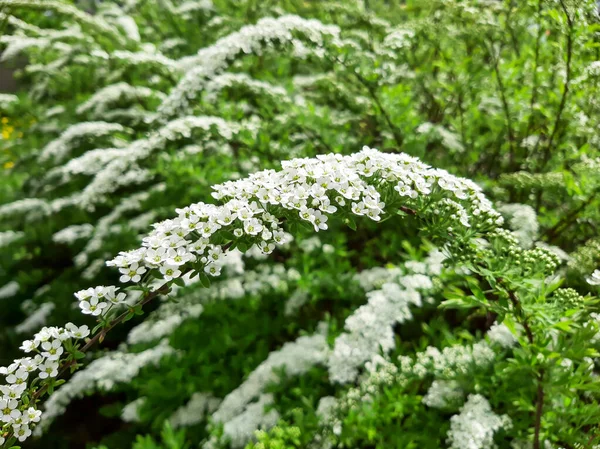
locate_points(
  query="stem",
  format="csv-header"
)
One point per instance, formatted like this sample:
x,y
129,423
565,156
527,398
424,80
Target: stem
x,y
563,100
539,406
569,218
539,401
100,335
397,135
534,88
517,305
505,106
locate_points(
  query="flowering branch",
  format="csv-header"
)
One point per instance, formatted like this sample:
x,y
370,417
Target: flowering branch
x,y
305,190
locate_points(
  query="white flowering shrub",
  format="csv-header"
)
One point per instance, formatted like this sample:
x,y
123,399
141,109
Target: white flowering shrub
x,y
300,224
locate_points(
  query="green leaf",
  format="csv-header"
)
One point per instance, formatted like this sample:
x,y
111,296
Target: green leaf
x,y
204,280
351,223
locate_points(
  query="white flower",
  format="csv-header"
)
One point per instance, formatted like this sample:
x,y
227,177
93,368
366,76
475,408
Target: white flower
x,y
170,272
29,364
132,273
18,377
7,410
33,415
48,369
213,269
92,307
177,257
52,350
252,226
13,391
22,432
318,220
77,332
29,345
474,427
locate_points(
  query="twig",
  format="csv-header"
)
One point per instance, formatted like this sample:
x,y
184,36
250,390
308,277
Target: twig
x,y
534,83
397,135
100,335
517,305
563,100
505,106
539,406
569,218
539,401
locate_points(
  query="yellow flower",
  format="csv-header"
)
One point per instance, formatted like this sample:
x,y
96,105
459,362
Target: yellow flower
x,y
8,165
4,120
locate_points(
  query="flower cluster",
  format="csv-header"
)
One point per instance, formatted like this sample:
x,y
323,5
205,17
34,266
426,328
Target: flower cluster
x,y
197,408
297,357
474,427
250,39
98,300
370,329
104,99
60,148
8,237
312,190
17,411
523,221
443,394
10,289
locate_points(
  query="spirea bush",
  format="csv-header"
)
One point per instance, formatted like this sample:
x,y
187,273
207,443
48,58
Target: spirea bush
x,y
300,224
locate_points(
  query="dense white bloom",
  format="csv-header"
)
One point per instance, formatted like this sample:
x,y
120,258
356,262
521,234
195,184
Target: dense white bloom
x,y
99,103
121,168
7,99
300,180
195,411
450,362
8,237
72,233
523,221
60,147
370,329
501,335
443,394
130,412
474,427
297,357
251,39
241,428
9,290
35,206
399,38
257,87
